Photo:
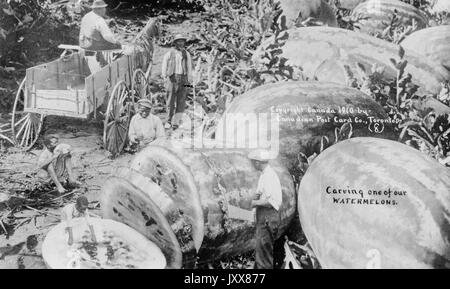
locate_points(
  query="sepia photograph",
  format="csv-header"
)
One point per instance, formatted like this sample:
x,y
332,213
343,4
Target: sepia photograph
x,y
225,134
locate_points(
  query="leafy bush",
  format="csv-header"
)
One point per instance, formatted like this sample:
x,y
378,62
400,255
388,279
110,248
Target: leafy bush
x,y
30,31
230,34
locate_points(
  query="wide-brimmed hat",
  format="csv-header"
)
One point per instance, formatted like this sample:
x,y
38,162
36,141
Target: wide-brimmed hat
x,y
261,155
98,4
145,103
179,37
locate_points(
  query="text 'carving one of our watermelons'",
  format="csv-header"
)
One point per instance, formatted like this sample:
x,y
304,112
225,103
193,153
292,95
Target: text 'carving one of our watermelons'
x,y
352,196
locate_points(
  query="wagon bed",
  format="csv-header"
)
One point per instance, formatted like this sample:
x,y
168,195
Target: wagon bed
x,y
67,87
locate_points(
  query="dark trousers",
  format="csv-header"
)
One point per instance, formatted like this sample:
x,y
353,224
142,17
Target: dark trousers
x,y
264,247
176,94
267,221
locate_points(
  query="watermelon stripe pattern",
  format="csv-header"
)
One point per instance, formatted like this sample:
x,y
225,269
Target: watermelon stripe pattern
x,y
300,130
440,6
318,9
413,232
310,47
433,43
380,12
349,4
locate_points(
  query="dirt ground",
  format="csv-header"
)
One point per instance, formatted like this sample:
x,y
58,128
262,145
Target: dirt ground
x,y
21,248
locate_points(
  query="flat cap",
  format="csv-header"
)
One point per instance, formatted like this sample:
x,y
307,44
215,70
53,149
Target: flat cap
x,y
98,4
261,155
145,103
179,37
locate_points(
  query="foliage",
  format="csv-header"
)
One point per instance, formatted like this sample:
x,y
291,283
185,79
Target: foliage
x,y
423,5
395,31
28,25
227,41
345,18
30,31
429,133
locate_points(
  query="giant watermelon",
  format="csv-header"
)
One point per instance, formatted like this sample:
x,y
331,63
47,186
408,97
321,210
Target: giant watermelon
x,y
439,6
307,111
368,202
322,52
303,9
433,43
349,4
179,197
377,14
311,47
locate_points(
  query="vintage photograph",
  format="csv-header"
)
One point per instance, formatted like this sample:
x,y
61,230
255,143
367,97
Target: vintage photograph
x,y
215,134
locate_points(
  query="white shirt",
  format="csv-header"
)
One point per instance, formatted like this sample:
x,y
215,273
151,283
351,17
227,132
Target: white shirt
x,y
44,159
47,156
69,212
146,129
92,22
270,187
178,63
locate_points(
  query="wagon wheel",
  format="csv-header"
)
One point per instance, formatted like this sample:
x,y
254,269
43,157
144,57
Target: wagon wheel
x,y
139,85
25,126
117,119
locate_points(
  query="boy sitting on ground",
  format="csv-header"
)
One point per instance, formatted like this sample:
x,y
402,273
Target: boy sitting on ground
x,y
78,209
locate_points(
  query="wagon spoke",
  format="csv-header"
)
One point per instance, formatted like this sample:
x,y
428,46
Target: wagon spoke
x,y
121,131
21,120
29,136
25,135
123,96
112,141
124,126
23,126
110,124
35,131
119,109
32,132
110,138
111,114
117,138
123,119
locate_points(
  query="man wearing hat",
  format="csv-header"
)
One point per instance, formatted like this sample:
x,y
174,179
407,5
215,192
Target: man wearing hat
x,y
95,34
144,126
177,72
267,202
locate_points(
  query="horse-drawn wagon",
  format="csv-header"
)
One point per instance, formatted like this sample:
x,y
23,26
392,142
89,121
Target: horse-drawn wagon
x,y
71,87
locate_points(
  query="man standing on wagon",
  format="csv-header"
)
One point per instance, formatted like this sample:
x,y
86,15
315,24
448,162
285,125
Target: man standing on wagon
x,y
177,73
95,35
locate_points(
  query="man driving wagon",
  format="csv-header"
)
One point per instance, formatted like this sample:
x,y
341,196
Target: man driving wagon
x,y
96,36
87,81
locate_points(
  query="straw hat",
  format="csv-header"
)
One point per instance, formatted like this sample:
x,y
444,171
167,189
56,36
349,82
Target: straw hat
x,y
261,155
179,37
98,4
145,103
